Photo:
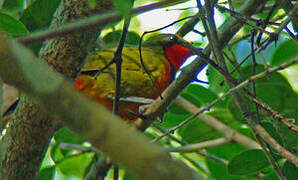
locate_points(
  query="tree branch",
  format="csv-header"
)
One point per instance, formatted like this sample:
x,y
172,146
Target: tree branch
x,y
197,146
91,22
85,117
227,32
229,133
31,128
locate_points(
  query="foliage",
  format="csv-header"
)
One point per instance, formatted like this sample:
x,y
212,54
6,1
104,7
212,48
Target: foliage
x,y
276,90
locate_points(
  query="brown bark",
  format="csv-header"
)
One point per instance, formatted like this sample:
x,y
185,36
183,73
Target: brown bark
x,y
31,128
86,118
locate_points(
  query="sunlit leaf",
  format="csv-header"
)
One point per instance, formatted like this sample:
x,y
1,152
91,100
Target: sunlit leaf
x,y
75,165
285,52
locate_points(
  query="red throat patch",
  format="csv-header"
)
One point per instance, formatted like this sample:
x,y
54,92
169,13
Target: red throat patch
x,y
177,55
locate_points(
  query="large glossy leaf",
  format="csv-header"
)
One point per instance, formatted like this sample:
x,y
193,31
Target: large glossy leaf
x,y
248,162
39,14
170,119
197,131
227,152
202,94
285,52
11,26
75,165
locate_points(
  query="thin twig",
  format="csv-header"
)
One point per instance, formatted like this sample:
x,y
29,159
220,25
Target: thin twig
x,y
201,152
268,152
266,22
230,91
96,20
188,26
229,133
118,60
289,122
187,76
197,146
273,143
290,11
244,19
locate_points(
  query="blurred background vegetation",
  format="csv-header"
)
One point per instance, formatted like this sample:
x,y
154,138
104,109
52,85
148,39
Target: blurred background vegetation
x,y
70,157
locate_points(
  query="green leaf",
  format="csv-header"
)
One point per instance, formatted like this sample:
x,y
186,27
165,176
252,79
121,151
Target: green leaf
x,y
191,98
47,173
56,153
65,135
176,109
12,26
112,38
270,176
215,80
219,172
39,14
204,95
285,52
248,162
123,6
274,90
75,164
13,4
290,171
171,119
198,131
227,152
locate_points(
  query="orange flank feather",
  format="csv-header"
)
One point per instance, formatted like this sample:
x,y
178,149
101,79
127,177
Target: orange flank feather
x,y
161,56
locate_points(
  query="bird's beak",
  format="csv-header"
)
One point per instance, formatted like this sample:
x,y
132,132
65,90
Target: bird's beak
x,y
181,41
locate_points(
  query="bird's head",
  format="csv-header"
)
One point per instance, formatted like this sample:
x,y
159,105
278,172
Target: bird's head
x,y
170,44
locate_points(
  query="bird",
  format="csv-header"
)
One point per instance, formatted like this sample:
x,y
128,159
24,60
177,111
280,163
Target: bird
x,y
142,79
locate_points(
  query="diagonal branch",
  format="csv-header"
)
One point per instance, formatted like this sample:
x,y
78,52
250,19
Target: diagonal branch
x,y
91,22
225,35
197,146
31,128
86,118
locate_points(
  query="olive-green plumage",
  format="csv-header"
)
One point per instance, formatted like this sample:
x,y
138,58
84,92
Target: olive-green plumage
x,y
135,81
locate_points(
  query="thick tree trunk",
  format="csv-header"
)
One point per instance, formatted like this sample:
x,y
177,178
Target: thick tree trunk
x,y
31,129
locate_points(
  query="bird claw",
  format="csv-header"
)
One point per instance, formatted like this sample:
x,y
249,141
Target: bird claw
x,y
146,101
133,99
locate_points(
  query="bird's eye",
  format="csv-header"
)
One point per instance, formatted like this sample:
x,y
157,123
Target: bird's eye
x,y
173,38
